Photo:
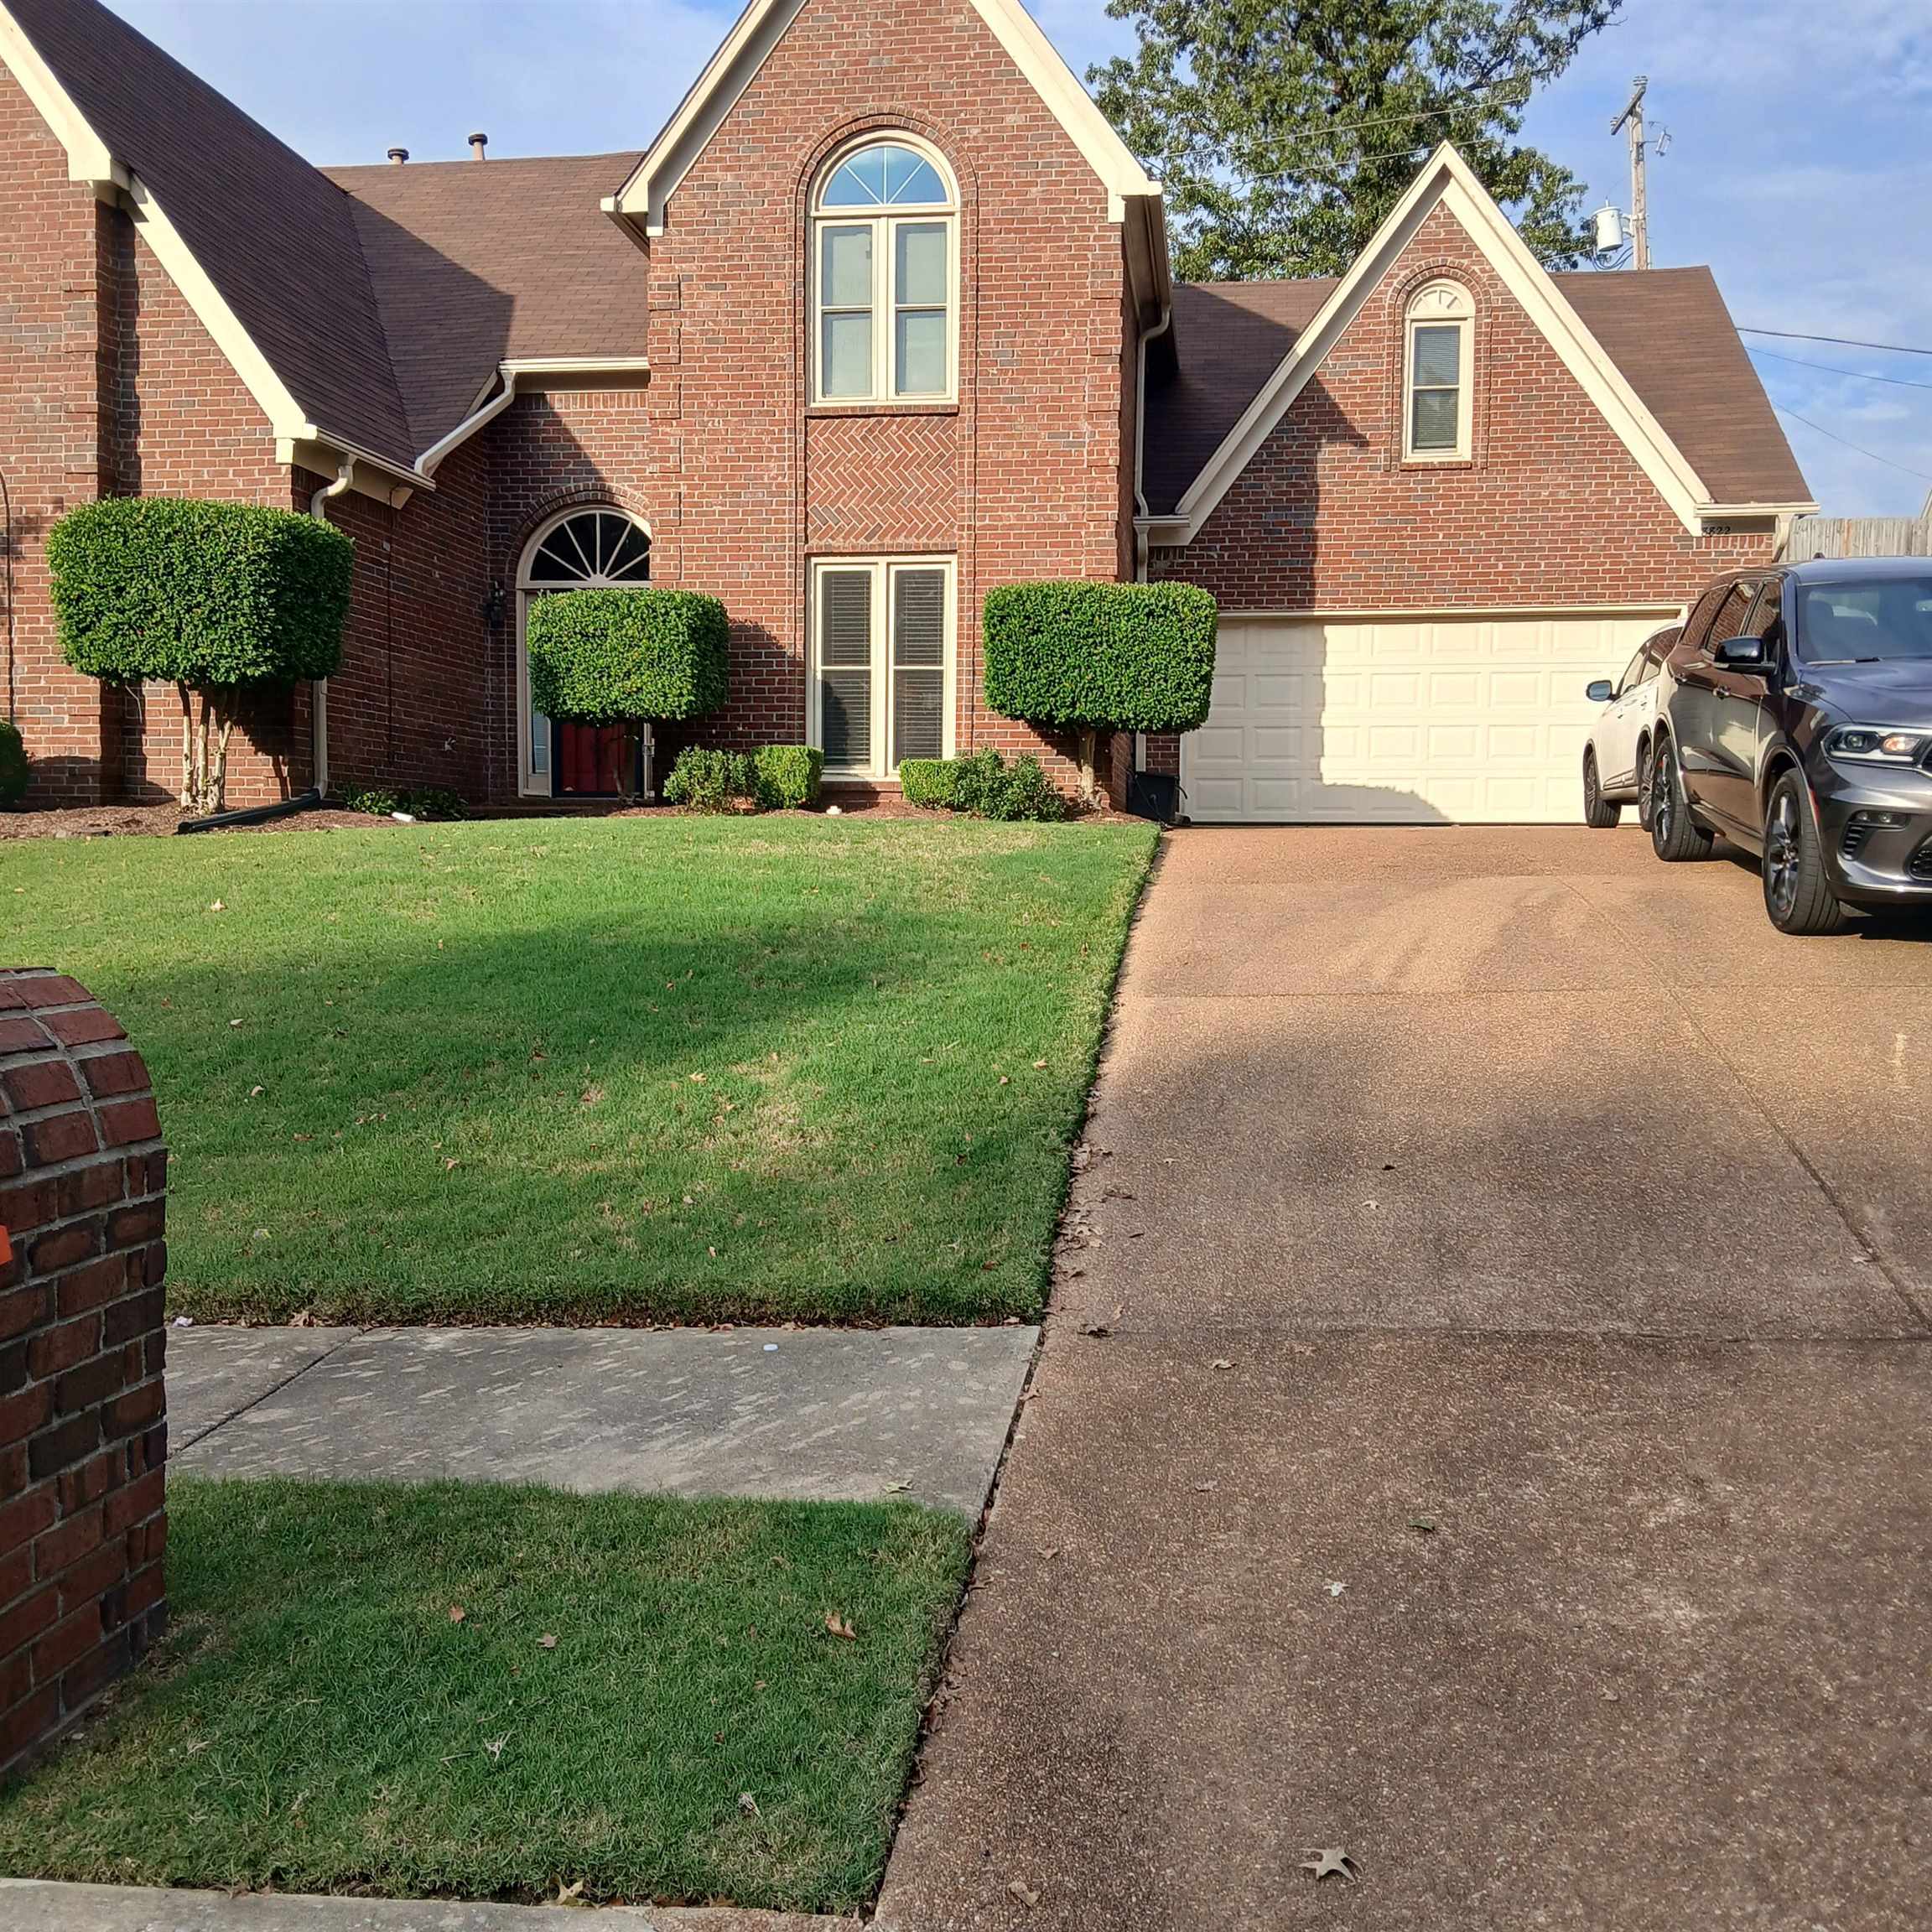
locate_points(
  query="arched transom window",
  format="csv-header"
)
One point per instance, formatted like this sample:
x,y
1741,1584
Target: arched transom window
x,y
580,550
885,262
1436,386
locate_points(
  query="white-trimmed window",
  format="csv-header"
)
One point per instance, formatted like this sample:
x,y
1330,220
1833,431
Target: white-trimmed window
x,y
882,661
885,275
1435,412
578,550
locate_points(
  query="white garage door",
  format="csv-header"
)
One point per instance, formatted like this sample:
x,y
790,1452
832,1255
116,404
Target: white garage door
x,y
1462,719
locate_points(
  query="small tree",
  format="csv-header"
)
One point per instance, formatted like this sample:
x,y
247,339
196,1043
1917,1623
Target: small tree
x,y
617,656
1095,658
216,598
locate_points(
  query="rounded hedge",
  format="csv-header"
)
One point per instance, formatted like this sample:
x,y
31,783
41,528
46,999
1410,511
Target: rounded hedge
x,y
600,657
1119,656
210,596
13,764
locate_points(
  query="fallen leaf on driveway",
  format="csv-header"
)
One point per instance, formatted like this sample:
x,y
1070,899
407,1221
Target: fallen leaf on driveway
x,y
1330,1862
1024,1892
1222,1362
1335,1589
840,1626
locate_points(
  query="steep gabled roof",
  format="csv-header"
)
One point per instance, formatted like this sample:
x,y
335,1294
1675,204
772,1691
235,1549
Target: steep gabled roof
x,y
1673,342
477,264
761,26
275,239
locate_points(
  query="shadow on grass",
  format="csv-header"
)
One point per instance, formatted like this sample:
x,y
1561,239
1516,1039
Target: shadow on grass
x,y
843,1114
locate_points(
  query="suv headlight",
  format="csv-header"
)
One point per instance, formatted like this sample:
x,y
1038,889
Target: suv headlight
x,y
1876,744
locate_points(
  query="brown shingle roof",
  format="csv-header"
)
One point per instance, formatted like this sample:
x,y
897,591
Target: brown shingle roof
x,y
1666,329
276,238
1669,331
474,262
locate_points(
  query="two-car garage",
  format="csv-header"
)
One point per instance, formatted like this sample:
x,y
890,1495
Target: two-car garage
x,y
1413,718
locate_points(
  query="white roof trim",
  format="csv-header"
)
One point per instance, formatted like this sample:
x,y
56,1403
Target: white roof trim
x,y
1447,180
87,156
759,29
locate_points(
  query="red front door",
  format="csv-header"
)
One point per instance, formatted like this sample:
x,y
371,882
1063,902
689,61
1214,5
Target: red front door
x,y
590,760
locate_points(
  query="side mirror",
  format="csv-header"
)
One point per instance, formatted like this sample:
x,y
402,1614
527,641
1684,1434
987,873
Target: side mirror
x,y
1741,654
1600,691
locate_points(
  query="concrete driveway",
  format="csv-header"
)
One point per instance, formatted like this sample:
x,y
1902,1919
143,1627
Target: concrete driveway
x,y
1508,1457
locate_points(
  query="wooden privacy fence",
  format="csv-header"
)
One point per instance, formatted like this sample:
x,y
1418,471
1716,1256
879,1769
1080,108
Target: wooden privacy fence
x,y
1858,537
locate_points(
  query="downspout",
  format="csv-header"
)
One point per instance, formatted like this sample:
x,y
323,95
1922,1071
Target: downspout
x,y
318,690
1140,543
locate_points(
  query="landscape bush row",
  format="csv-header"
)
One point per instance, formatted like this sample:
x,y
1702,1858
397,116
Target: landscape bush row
x,y
220,598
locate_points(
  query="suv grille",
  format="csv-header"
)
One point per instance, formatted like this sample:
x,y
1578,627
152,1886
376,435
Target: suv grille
x,y
1855,836
1921,864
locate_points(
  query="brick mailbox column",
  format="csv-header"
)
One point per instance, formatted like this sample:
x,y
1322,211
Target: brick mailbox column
x,y
83,1429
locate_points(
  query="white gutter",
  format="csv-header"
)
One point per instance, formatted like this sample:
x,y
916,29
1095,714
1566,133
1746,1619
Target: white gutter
x,y
472,422
1147,335
319,689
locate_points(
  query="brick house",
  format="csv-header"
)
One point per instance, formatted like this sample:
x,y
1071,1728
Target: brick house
x,y
882,318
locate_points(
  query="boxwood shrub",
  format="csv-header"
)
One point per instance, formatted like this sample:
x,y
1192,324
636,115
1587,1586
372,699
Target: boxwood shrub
x,y
603,656
704,779
1101,656
784,777
930,782
13,764
983,785
205,596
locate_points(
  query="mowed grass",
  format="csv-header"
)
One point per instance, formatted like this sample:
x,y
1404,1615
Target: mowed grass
x,y
318,1719
624,1069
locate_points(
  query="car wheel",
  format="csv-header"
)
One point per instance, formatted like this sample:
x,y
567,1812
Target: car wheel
x,y
1797,894
1599,812
1675,835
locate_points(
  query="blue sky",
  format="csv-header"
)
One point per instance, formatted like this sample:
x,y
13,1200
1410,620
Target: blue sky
x,y
1799,166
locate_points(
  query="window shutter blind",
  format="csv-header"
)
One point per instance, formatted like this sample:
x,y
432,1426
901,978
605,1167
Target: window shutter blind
x,y
918,664
845,667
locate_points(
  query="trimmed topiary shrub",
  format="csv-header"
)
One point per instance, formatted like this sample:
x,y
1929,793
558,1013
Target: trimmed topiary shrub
x,y
785,778
930,782
1095,657
13,764
983,786
618,656
704,779
211,598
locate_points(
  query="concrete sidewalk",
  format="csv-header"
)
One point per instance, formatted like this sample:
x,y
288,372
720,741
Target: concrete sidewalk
x,y
33,1905
818,1414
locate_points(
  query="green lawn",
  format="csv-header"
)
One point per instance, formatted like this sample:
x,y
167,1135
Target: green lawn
x,y
318,1720
632,1069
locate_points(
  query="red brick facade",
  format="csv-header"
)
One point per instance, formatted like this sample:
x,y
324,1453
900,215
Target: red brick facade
x,y
109,383
83,1431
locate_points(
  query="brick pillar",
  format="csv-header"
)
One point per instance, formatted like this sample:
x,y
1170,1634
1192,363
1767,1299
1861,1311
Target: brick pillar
x,y
83,1428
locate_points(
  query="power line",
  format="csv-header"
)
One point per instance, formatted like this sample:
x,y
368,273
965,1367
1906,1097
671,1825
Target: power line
x,y
1840,342
1827,369
1924,476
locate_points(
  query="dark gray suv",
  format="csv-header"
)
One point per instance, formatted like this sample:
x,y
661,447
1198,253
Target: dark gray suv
x,y
1796,721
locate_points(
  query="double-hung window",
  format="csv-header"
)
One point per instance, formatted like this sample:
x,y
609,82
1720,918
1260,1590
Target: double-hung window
x,y
1437,412
884,247
882,680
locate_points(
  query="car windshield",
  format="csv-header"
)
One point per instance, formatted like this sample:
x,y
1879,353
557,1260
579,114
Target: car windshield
x,y
1866,623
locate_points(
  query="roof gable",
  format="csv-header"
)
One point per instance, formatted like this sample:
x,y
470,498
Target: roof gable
x,y
264,248
1447,182
764,23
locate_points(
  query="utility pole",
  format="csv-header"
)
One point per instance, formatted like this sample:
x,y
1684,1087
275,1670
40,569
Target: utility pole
x,y
1633,118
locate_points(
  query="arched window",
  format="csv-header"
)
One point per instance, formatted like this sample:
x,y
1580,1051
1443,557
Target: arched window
x,y
1435,411
885,275
580,549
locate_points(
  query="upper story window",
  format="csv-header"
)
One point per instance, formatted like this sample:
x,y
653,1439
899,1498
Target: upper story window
x,y
886,253
1435,380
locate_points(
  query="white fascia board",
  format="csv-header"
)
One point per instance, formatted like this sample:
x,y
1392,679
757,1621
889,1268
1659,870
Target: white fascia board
x,y
761,26
1717,511
577,365
1448,179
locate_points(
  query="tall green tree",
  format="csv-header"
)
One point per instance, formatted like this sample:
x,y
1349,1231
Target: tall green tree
x,y
1284,131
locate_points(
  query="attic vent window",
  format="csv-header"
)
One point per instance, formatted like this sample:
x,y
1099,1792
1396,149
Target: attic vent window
x,y
886,274
1437,374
